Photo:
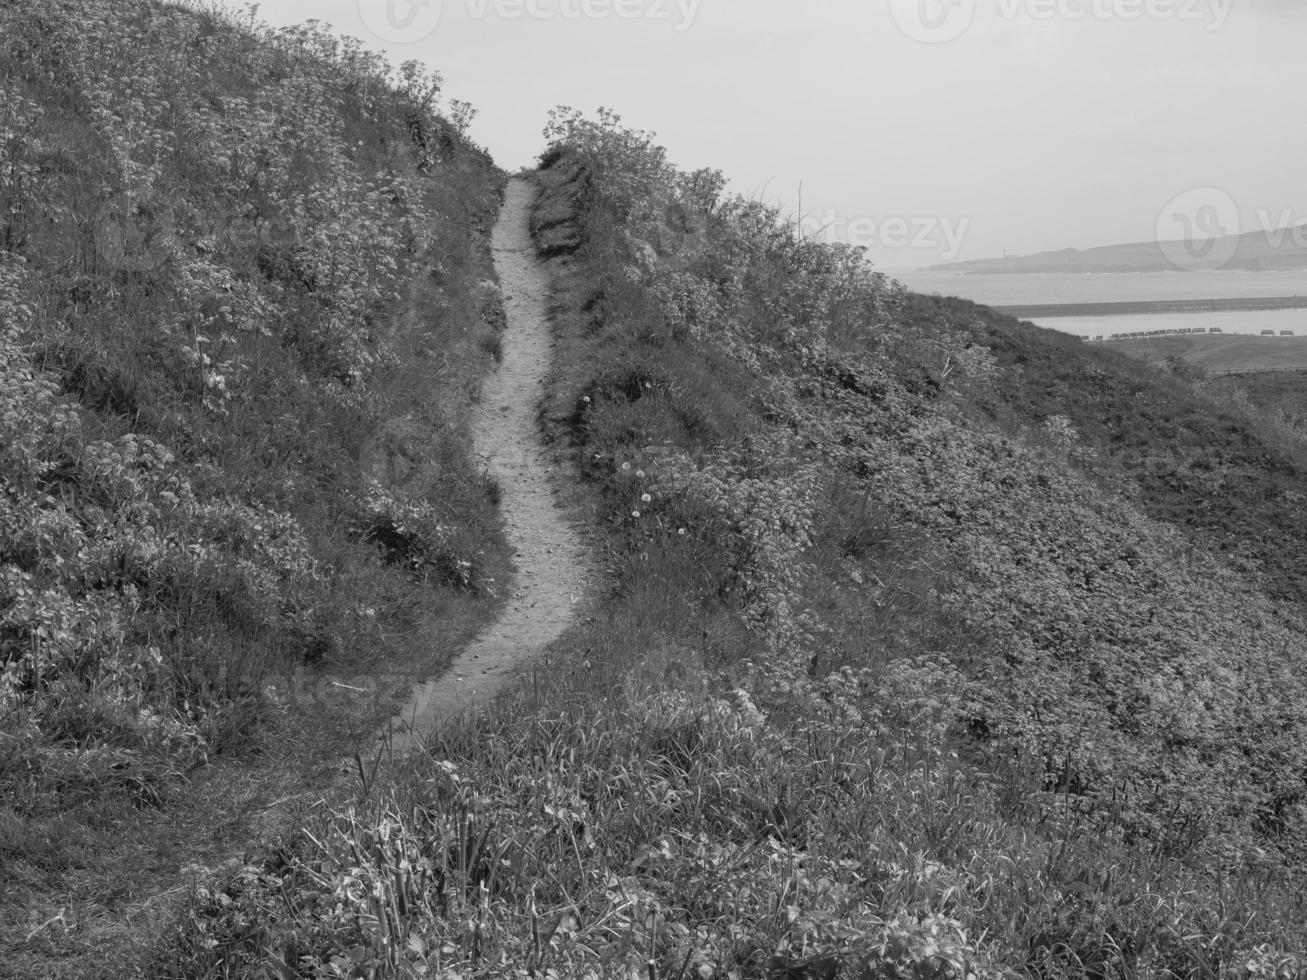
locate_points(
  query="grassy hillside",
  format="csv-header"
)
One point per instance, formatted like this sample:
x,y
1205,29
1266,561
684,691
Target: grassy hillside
x,y
243,311
1221,354
931,645
1279,395
1261,377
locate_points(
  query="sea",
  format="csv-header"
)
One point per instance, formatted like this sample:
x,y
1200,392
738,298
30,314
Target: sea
x,y
1051,288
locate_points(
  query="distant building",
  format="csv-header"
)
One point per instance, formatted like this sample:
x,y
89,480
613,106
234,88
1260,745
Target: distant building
x,y
1268,333
1213,329
1286,333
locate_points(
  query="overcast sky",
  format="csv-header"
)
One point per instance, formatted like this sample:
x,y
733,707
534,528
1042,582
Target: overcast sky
x,y
928,130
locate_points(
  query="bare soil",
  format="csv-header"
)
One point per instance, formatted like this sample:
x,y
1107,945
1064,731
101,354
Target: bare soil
x,y
547,585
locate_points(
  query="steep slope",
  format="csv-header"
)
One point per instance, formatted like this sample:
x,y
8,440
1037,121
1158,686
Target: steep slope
x,y
244,309
1107,558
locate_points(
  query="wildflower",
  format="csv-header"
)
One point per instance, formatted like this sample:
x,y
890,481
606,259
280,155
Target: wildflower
x,y
681,532
586,399
639,474
626,467
646,498
635,513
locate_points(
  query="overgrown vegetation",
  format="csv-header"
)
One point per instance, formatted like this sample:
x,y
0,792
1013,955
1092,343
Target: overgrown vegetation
x,y
244,307
934,646
1279,396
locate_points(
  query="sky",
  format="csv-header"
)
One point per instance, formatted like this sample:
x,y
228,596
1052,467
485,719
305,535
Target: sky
x,y
924,130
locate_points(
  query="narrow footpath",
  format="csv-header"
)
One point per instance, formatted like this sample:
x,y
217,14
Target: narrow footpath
x,y
546,588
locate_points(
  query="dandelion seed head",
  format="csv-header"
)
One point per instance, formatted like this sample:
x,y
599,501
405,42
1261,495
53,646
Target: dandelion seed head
x,y
626,467
640,474
646,498
635,513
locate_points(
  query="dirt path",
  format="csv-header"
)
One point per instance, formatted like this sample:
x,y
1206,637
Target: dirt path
x,y
546,549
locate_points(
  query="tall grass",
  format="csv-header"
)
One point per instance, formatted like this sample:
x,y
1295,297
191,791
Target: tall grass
x,y
676,836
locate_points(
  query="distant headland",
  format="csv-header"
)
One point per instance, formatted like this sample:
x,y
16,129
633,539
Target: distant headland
x,y
1257,251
